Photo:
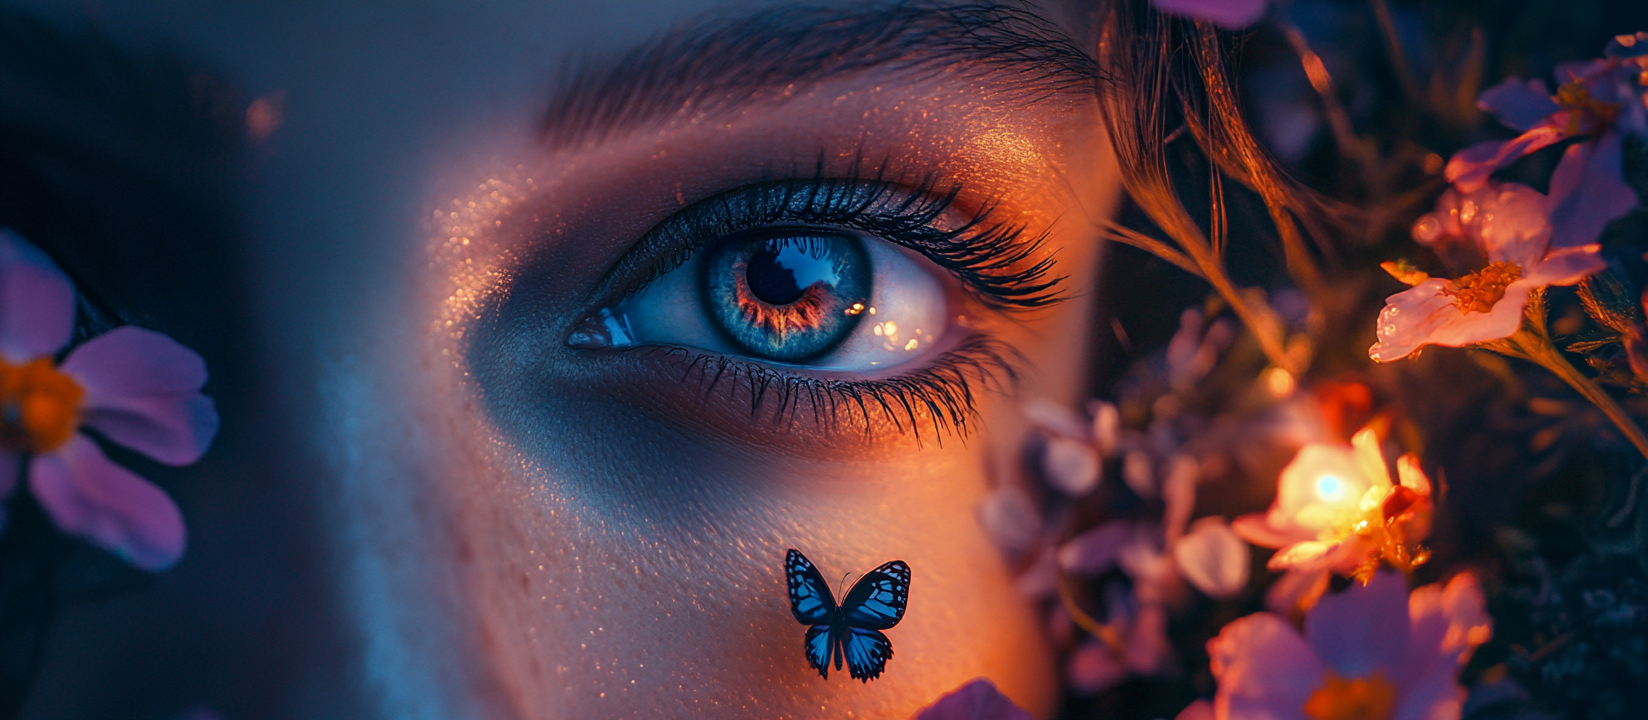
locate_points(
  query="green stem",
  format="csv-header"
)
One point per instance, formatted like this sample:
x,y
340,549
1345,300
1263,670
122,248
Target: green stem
x,y
1539,349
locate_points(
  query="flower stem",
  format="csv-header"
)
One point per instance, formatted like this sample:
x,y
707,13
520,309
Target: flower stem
x,y
1538,349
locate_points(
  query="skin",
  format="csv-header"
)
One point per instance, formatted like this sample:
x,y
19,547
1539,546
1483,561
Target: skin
x,y
518,529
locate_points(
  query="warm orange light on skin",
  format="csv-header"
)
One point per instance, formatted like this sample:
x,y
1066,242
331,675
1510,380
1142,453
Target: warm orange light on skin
x,y
592,592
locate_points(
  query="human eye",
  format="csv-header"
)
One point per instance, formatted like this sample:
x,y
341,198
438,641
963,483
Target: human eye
x,y
857,289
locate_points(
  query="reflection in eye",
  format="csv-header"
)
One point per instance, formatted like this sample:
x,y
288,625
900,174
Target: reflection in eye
x,y
827,299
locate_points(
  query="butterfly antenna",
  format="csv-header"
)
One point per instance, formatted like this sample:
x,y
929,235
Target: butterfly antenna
x,y
841,590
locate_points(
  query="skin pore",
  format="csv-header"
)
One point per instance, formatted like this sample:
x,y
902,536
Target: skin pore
x,y
519,528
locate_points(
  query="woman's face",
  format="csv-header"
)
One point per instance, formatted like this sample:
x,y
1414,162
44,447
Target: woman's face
x,y
534,514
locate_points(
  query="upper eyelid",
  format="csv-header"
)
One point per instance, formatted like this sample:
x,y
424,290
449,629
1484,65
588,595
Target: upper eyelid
x,y
896,212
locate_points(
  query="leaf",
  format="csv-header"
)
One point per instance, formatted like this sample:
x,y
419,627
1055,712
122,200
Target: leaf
x,y
1611,301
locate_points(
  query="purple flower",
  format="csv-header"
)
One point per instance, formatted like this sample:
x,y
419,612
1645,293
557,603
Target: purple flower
x,y
977,700
1597,101
135,387
1508,223
1228,14
1372,651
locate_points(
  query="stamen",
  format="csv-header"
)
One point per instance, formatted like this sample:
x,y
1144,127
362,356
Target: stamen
x,y
1369,698
1480,290
39,406
1586,115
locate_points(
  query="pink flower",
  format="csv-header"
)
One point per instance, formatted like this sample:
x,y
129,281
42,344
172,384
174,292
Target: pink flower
x,y
1508,224
1597,101
977,700
1373,652
1228,14
1337,509
135,387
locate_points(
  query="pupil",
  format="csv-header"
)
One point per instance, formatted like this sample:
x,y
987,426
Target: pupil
x,y
782,270
770,281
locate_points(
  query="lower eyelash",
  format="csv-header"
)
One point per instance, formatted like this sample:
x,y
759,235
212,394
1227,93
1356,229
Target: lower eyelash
x,y
939,396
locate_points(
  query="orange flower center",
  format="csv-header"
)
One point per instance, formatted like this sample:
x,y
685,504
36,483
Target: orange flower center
x,y
1478,291
1369,698
39,406
1586,115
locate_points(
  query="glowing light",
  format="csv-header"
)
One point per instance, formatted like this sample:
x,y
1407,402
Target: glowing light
x,y
891,328
1330,488
858,308
912,344
1280,382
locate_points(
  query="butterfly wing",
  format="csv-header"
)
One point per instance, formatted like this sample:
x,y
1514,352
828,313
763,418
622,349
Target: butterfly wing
x,y
878,599
867,653
818,645
810,598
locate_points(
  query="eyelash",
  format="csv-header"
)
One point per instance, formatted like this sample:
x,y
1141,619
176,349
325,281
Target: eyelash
x,y
984,255
988,258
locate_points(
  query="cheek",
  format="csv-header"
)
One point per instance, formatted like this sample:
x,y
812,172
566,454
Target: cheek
x,y
618,613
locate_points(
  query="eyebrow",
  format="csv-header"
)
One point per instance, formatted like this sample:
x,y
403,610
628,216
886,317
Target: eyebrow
x,y
713,68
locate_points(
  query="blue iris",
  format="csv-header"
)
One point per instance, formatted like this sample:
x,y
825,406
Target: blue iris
x,y
789,295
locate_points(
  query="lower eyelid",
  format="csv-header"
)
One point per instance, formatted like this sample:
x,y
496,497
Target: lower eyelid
x,y
792,407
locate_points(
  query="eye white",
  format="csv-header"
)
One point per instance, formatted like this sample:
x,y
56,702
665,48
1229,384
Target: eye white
x,y
907,317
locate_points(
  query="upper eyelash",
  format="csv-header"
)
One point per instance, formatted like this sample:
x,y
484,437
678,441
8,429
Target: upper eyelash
x,y
987,257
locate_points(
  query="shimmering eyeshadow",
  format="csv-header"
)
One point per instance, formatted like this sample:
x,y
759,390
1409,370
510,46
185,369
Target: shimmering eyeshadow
x,y
788,296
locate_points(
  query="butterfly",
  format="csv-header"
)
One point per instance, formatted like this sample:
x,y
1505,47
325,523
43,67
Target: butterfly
x,y
850,631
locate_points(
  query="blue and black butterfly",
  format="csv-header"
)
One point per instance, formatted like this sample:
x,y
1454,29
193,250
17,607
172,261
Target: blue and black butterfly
x,y
850,631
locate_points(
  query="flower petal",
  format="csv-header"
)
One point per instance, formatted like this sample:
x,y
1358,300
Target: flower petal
x,y
1256,529
1055,417
1434,695
1093,668
1147,650
1107,423
1072,466
143,391
1264,669
1409,319
1566,266
1213,558
1512,223
977,700
1296,590
1363,629
1010,517
1470,168
1094,551
1447,624
87,494
1228,14
1199,710
1307,556
1500,321
36,301
1588,191
1520,105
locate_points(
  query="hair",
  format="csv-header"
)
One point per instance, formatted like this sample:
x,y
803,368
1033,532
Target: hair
x,y
1171,109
